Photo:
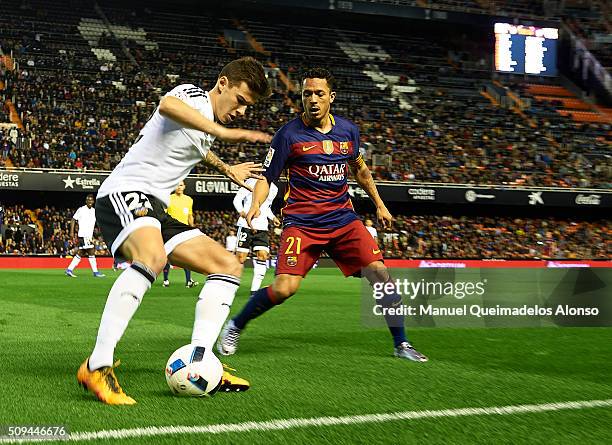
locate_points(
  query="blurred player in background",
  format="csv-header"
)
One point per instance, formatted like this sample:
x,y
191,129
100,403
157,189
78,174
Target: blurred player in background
x,y
255,239
318,216
130,209
231,242
369,225
180,208
85,216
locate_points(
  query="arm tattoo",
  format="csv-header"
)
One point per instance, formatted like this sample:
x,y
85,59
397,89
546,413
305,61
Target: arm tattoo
x,y
364,179
216,163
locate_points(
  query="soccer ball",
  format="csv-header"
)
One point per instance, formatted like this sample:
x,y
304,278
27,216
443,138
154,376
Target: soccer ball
x,y
193,371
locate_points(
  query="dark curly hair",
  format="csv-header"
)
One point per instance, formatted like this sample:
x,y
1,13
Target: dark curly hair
x,y
319,73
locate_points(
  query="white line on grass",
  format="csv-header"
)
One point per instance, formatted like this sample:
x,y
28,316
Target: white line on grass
x,y
284,424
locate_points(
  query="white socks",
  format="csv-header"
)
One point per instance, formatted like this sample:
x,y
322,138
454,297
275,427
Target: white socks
x,y
212,309
75,262
93,264
123,300
77,259
259,272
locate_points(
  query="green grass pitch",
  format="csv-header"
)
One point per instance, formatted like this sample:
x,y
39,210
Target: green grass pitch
x,y
310,357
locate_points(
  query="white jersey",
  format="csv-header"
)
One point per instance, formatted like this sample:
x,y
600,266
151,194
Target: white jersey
x,y
242,203
164,153
372,231
86,217
231,242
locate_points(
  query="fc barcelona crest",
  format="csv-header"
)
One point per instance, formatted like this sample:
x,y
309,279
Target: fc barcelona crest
x,y
292,261
344,148
328,147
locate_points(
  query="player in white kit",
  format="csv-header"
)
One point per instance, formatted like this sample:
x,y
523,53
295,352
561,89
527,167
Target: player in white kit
x,y
256,239
130,211
369,225
231,241
85,216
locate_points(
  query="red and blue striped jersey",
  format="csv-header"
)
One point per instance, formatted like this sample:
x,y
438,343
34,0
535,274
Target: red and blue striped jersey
x,y
318,169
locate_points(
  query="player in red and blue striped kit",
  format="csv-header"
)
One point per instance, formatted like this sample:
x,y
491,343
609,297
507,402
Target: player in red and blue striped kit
x,y
317,149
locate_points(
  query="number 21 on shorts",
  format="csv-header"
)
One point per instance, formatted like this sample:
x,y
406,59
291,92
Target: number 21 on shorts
x,y
293,241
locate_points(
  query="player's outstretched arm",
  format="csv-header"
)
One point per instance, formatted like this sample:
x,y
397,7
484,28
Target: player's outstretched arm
x,y
188,117
262,188
238,173
364,179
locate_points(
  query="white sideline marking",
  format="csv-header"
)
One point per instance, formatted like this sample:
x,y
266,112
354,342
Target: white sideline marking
x,y
284,424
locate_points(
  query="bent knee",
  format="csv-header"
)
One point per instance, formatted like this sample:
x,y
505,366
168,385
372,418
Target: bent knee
x,y
284,290
154,259
228,264
376,272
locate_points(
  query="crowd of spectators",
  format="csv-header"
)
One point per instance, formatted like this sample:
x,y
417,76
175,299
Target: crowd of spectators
x,y
42,231
495,237
6,146
4,113
81,113
471,143
46,231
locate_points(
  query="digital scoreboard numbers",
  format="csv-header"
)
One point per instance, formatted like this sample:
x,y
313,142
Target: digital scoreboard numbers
x,y
521,49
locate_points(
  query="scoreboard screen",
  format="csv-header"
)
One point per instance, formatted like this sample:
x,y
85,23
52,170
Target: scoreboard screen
x,y
521,49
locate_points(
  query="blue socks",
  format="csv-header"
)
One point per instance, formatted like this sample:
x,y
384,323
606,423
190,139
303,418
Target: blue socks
x,y
259,303
394,322
263,300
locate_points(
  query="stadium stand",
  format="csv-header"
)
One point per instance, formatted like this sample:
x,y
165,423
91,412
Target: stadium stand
x,y
591,20
78,82
86,83
45,231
